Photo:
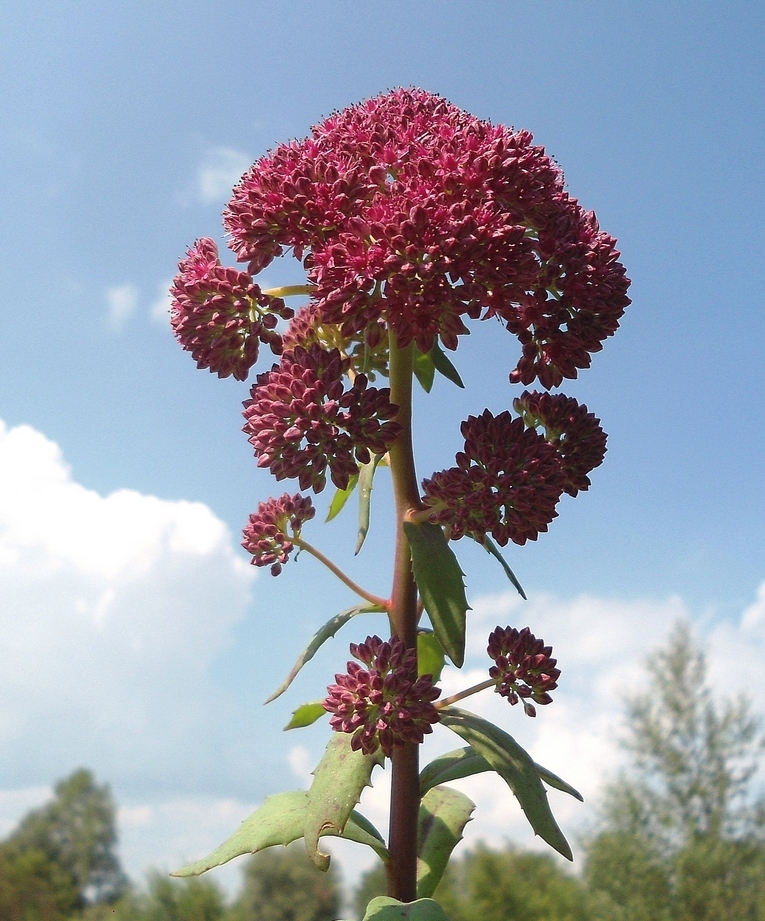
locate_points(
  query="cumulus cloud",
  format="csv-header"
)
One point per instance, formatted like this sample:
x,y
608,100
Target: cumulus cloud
x,y
221,169
160,307
122,302
114,609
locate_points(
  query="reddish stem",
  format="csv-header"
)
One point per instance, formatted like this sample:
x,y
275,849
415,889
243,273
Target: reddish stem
x,y
403,614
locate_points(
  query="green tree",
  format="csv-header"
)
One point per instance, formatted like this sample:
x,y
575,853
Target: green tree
x,y
33,887
77,832
283,885
180,900
682,832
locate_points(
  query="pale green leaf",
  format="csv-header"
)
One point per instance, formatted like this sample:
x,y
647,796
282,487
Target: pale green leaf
x,y
338,782
306,715
366,478
441,585
328,630
515,767
279,821
340,497
386,909
424,369
430,655
443,815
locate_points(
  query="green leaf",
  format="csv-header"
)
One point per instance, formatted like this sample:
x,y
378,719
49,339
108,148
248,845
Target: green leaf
x,y
328,630
444,813
424,369
430,655
340,497
515,767
338,782
490,547
444,366
366,476
464,762
306,715
553,780
384,908
280,820
442,589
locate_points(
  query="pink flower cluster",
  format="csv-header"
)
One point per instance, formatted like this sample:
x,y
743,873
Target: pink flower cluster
x,y
220,315
509,477
408,211
265,535
302,421
523,667
385,704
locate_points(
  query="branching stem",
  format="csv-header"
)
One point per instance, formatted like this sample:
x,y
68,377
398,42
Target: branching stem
x,y
375,600
468,692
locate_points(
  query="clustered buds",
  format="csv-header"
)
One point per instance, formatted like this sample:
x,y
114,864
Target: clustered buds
x,y
571,429
524,668
507,482
410,212
265,535
220,315
509,478
302,421
385,704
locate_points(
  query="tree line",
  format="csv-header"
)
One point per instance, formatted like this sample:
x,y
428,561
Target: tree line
x,y
679,836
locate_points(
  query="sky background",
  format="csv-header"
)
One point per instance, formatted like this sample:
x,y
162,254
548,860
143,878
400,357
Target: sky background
x,y
135,639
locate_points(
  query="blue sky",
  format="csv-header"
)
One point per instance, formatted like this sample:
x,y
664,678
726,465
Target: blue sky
x,y
141,643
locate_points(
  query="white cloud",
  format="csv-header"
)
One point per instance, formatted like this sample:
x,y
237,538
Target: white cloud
x,y
220,171
122,301
114,608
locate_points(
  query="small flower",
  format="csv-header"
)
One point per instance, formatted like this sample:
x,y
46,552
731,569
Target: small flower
x,y
571,429
385,704
524,667
507,482
301,421
220,315
265,535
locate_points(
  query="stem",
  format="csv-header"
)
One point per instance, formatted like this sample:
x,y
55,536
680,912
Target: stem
x,y
288,291
468,692
403,615
378,602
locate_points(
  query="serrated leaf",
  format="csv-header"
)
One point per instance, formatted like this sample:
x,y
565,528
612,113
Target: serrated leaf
x,y
326,632
443,815
440,582
424,369
384,908
444,366
279,821
490,547
366,478
515,767
464,762
338,782
340,497
430,655
306,715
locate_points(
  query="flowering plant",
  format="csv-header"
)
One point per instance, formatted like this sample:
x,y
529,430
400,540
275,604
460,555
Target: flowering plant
x,y
411,219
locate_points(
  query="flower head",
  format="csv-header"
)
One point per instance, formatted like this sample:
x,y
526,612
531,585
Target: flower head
x,y
220,315
571,429
507,482
385,704
302,422
524,668
265,535
411,213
